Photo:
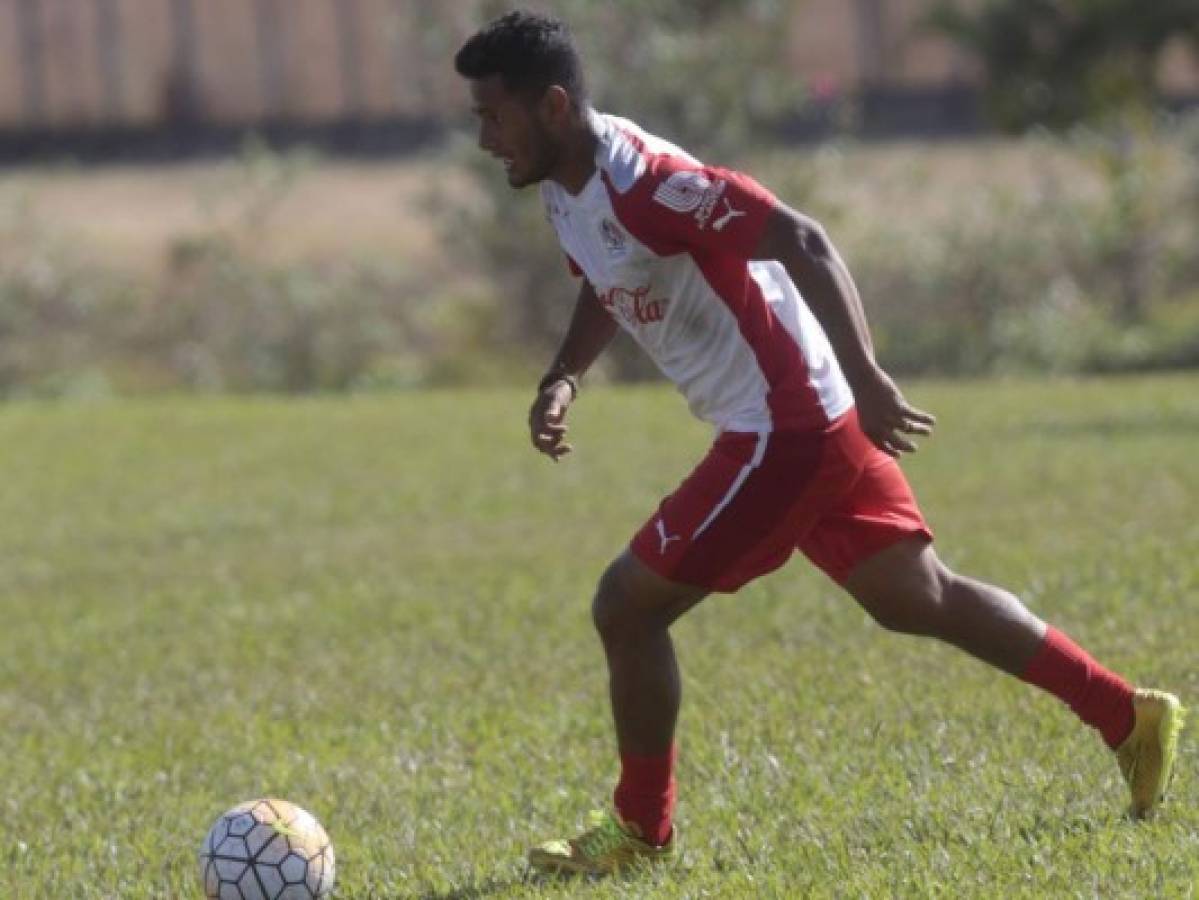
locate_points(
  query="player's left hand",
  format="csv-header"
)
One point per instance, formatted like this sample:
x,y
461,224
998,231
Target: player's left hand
x,y
547,420
887,418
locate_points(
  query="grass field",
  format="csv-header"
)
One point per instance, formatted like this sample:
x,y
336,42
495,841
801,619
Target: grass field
x,y
378,608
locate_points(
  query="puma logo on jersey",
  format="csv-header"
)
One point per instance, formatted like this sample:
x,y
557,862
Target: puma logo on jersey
x,y
730,214
665,538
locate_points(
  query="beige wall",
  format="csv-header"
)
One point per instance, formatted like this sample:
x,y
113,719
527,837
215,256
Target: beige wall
x,y
229,80
1179,68
833,40
10,63
145,53
402,69
831,43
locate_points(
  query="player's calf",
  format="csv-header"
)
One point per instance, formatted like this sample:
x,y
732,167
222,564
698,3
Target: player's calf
x,y
907,589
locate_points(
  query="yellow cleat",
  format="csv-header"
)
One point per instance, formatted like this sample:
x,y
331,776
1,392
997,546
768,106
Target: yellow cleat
x,y
606,847
1146,757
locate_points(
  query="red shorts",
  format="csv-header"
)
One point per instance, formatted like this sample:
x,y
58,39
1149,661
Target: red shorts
x,y
757,498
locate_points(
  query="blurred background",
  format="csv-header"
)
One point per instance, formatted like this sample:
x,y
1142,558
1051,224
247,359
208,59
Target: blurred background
x,y
285,196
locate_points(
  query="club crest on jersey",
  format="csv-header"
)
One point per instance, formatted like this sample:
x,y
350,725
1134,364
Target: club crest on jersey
x,y
614,238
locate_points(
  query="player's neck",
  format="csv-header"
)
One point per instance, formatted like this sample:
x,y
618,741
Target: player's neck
x,y
577,165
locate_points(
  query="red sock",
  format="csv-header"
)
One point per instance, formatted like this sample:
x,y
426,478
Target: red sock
x,y
645,795
1099,697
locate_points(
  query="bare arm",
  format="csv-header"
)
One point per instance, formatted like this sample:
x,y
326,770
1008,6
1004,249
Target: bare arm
x,y
591,330
802,246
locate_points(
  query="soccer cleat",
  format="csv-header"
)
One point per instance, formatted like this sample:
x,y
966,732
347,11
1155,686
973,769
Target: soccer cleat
x,y
607,846
1146,757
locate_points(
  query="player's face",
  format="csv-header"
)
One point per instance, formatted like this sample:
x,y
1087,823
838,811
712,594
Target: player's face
x,y
511,129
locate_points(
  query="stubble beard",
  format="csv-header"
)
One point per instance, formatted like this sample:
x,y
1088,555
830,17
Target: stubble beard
x,y
543,161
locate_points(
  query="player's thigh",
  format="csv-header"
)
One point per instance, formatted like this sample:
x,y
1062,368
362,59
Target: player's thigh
x,y
738,515
877,513
906,574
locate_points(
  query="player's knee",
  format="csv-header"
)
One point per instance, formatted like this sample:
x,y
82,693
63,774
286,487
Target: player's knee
x,y
627,603
611,608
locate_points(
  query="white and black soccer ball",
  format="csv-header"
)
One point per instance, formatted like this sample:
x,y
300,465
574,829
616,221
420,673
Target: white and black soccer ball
x,y
267,850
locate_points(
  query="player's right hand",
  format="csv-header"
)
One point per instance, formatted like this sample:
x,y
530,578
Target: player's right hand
x,y
886,417
547,427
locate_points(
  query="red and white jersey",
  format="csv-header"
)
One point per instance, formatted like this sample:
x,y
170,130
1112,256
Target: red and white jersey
x,y
666,242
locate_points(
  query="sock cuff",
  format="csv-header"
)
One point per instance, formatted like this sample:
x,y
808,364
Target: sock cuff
x,y
1054,645
643,762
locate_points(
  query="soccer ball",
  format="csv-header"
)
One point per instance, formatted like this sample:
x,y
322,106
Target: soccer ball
x,y
266,850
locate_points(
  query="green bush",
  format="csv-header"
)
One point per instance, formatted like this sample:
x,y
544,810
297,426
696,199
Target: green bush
x,y
218,318
217,321
1015,273
1041,276
61,322
1085,259
1168,339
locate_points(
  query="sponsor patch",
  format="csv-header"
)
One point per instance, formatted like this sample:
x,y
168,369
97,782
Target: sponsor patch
x,y
694,192
683,192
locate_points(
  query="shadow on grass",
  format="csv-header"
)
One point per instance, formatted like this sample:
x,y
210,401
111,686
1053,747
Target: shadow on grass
x,y
495,885
472,891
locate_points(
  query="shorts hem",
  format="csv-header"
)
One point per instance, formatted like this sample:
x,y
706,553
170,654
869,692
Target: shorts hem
x,y
840,574
658,567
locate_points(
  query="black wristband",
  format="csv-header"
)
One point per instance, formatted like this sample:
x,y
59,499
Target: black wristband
x,y
552,378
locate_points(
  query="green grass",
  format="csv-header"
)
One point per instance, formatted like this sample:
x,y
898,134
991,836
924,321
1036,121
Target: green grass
x,y
378,608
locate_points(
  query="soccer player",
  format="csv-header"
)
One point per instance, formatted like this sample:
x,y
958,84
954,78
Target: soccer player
x,y
746,306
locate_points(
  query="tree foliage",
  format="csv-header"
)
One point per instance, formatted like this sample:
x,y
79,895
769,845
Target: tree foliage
x,y
1059,62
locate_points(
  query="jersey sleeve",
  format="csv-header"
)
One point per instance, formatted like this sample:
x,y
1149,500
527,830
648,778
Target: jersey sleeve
x,y
679,205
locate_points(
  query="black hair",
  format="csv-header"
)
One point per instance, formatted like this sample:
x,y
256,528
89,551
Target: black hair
x,y
530,52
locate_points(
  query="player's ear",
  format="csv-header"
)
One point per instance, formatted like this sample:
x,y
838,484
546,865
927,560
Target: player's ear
x,y
555,104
